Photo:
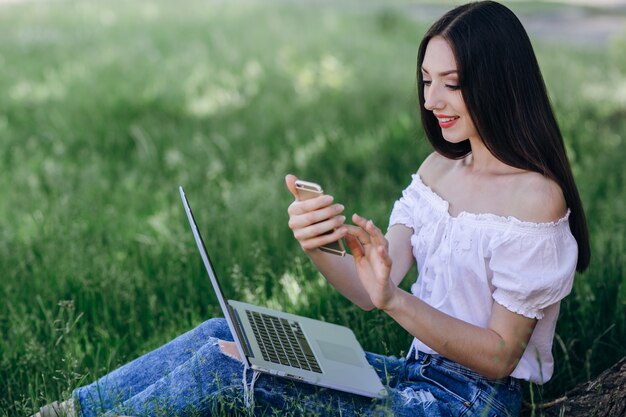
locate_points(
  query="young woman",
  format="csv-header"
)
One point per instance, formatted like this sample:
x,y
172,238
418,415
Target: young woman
x,y
493,219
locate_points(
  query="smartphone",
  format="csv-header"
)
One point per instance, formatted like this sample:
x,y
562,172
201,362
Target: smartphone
x,y
307,190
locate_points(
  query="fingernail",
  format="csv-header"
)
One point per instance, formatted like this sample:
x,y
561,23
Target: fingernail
x,y
339,207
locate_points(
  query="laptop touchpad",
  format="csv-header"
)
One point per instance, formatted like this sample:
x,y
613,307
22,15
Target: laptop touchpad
x,y
339,353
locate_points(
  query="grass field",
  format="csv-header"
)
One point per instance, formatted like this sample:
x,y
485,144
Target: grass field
x,y
105,108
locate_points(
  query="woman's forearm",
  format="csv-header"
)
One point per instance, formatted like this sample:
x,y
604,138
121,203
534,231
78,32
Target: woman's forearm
x,y
484,350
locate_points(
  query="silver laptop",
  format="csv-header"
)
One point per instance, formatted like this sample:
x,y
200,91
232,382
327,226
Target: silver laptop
x,y
292,346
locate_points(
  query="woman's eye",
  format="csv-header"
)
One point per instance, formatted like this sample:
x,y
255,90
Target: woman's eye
x,y
426,82
453,87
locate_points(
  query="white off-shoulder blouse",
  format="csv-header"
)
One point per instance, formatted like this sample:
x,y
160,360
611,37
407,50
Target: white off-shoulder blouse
x,y
467,262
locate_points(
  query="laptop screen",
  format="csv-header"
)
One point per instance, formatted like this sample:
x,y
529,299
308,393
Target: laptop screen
x,y
230,318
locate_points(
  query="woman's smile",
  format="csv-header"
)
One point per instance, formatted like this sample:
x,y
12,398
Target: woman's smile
x,y
445,121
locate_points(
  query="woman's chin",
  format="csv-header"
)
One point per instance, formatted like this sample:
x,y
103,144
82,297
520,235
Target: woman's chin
x,y
454,139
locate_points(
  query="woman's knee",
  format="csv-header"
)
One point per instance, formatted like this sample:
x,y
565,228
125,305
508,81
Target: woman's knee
x,y
216,369
216,327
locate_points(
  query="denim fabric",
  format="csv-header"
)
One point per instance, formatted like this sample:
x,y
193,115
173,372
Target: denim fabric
x,y
190,376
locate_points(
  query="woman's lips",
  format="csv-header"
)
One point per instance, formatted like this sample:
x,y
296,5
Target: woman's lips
x,y
447,122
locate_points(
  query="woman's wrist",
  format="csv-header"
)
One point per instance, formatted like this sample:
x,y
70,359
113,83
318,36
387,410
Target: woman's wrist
x,y
394,303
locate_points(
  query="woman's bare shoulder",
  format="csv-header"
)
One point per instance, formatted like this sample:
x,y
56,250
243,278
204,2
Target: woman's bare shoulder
x,y
537,198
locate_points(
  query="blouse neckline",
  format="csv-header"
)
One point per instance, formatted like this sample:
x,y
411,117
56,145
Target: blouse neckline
x,y
444,206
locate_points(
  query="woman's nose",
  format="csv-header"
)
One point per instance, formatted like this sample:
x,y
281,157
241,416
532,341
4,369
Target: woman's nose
x,y
432,99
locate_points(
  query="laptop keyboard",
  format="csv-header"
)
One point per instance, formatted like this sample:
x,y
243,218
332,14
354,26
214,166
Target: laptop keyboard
x,y
282,341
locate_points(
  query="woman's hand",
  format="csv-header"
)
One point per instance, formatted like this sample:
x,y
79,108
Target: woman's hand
x,y
370,250
314,222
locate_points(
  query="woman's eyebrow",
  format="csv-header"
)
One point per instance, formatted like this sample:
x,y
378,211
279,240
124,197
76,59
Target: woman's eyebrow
x,y
442,73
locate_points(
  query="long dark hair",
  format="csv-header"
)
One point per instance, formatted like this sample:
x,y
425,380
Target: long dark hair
x,y
506,98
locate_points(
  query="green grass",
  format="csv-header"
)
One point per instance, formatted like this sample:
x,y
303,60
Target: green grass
x,y
107,107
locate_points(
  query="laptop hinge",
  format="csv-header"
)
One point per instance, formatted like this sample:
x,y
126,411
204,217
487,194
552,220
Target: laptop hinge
x,y
241,335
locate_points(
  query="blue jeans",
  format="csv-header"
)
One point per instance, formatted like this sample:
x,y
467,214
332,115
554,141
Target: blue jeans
x,y
190,376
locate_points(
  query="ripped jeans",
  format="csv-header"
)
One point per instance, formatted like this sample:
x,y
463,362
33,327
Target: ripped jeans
x,y
190,376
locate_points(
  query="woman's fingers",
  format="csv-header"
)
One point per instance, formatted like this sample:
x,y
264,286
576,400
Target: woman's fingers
x,y
318,229
384,256
359,233
290,180
321,240
356,249
366,238
308,218
384,266
300,207
376,236
315,221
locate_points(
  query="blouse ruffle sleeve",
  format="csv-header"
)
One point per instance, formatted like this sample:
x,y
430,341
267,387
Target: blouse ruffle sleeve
x,y
533,267
404,209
